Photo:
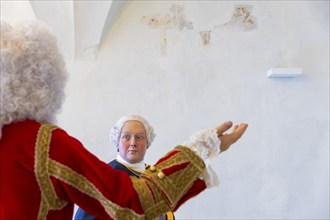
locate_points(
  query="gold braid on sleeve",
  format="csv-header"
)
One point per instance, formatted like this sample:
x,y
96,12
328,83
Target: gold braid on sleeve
x,y
162,186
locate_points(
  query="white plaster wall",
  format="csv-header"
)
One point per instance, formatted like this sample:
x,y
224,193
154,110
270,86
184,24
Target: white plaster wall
x,y
280,168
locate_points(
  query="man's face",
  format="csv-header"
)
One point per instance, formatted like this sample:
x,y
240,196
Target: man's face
x,y
133,142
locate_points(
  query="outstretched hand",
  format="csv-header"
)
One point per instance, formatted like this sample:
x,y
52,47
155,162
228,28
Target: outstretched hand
x,y
227,139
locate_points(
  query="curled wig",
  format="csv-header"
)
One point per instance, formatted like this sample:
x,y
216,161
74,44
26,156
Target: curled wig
x,y
33,73
115,131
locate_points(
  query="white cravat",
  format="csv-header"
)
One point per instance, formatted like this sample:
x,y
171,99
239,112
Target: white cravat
x,y
140,166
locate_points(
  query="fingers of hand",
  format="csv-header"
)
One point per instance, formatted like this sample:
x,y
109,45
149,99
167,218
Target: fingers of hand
x,y
237,132
228,139
224,127
241,129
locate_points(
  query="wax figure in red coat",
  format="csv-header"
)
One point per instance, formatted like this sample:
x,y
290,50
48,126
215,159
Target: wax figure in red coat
x,y
44,171
132,136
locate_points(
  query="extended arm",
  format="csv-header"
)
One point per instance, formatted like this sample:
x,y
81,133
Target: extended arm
x,y
107,193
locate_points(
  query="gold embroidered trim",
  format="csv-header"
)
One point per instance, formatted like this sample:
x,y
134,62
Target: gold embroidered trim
x,y
164,193
49,199
178,159
152,199
177,184
157,195
78,181
46,167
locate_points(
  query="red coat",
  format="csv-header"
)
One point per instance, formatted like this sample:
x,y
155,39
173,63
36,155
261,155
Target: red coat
x,y
44,171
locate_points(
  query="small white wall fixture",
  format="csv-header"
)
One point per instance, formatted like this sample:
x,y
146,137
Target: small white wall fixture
x,y
284,72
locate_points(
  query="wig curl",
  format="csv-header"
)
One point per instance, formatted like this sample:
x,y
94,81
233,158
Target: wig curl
x,y
115,131
33,74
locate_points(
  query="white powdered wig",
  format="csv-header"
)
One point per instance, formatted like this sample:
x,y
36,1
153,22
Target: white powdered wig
x,y
116,130
33,73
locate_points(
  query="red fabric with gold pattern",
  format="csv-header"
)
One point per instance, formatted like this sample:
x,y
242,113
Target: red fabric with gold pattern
x,y
72,175
17,169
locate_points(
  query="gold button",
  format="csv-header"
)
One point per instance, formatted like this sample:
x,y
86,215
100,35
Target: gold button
x,y
161,175
152,168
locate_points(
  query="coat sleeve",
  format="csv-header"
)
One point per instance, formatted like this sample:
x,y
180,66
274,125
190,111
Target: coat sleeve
x,y
172,181
77,176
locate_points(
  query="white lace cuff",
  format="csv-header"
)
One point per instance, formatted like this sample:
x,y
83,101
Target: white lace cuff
x,y
206,144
